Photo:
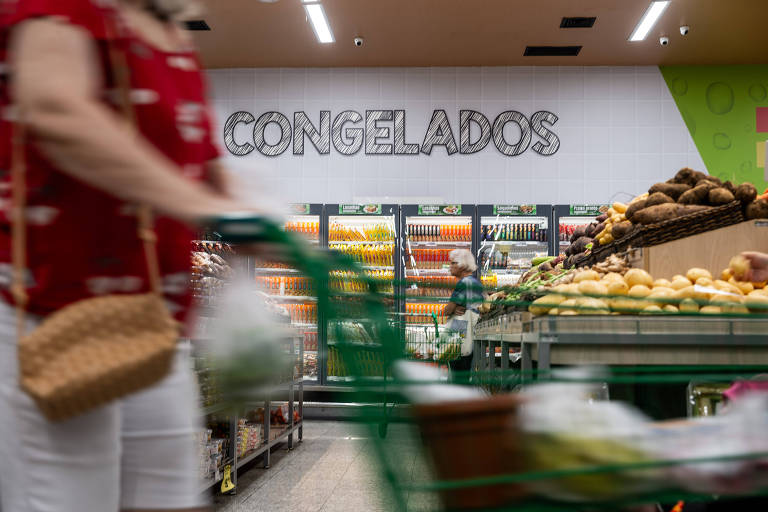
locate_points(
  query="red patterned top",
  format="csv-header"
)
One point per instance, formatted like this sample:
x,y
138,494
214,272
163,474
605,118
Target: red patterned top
x,y
82,242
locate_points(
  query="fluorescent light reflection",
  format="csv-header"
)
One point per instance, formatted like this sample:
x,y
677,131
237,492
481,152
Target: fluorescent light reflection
x,y
649,19
319,21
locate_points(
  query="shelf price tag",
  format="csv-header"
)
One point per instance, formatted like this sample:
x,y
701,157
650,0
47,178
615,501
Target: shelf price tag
x,y
514,209
589,210
439,209
300,209
359,209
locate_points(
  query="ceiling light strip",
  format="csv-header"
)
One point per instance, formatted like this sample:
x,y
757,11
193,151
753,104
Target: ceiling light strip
x,y
320,25
649,19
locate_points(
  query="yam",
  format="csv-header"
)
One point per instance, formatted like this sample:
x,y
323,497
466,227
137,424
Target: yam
x,y
635,207
663,212
673,190
685,175
730,187
757,210
746,193
658,198
621,229
720,196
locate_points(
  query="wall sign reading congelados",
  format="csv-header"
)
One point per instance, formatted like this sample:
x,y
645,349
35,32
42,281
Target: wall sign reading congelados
x,y
382,132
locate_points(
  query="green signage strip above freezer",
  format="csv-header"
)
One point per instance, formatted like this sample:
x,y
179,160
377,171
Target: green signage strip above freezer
x,y
359,209
589,210
300,209
514,209
439,209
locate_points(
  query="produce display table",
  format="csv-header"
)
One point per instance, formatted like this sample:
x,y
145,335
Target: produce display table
x,y
624,340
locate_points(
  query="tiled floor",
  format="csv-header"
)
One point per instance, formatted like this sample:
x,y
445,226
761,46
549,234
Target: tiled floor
x,y
332,470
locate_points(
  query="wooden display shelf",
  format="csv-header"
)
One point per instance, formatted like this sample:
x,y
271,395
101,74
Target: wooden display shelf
x,y
712,250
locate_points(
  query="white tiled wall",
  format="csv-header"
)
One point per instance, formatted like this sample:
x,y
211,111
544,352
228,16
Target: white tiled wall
x,y
619,128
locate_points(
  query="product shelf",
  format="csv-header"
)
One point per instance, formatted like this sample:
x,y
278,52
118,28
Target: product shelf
x,y
293,297
457,243
361,242
273,271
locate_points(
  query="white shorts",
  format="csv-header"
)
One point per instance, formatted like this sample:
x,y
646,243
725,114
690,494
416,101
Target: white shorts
x,y
137,453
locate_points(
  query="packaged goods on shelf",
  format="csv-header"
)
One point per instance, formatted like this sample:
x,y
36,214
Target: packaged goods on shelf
x,y
368,254
418,313
351,283
440,232
309,229
301,313
310,366
430,286
310,341
514,232
212,455
249,436
286,285
427,258
370,232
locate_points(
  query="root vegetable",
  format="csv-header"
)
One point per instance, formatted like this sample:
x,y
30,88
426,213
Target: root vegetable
x,y
649,310
620,207
593,288
746,193
730,187
739,266
601,218
720,196
634,208
621,229
662,283
639,291
689,306
586,275
542,305
593,307
664,212
581,245
618,288
757,303
726,274
658,198
554,312
669,308
710,310
745,286
705,281
757,210
673,190
694,274
638,276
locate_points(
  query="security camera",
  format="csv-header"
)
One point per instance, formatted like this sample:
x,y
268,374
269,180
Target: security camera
x,y
684,30
663,40
359,42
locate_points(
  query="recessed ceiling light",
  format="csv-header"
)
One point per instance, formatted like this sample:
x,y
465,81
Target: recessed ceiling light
x,y
649,19
317,17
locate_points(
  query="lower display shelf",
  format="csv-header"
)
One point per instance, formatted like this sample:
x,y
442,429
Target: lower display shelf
x,y
276,439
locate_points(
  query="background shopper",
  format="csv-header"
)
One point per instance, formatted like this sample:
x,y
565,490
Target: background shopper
x,y
86,171
468,295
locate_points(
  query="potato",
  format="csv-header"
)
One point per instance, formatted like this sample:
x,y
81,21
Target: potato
x,y
664,212
673,190
628,305
680,282
689,306
705,281
542,305
594,307
760,285
635,276
620,207
567,289
686,175
710,310
612,276
669,308
570,312
734,309
605,240
726,274
757,210
739,266
568,305
634,208
690,293
616,218
758,293
638,198
658,198
649,310
621,229
746,193
586,275
593,288
694,274
720,196
618,288
744,286
554,312
662,282
757,303
661,292
639,290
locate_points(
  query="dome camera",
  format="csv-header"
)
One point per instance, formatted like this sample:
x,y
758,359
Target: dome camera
x,y
684,30
663,40
359,42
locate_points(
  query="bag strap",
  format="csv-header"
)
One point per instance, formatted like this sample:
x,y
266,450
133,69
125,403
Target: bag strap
x,y
145,216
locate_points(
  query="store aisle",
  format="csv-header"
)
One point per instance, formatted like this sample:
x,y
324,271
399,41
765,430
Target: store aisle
x,y
331,471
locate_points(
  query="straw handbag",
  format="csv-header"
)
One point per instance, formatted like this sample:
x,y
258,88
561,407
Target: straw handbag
x,y
96,350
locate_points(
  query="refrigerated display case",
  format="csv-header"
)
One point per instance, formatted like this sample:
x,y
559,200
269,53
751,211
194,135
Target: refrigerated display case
x,y
568,217
509,237
368,234
292,291
430,233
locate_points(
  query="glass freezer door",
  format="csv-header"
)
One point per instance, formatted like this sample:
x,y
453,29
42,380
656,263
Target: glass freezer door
x,y
507,246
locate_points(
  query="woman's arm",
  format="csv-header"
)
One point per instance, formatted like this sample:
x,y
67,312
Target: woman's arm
x,y
56,87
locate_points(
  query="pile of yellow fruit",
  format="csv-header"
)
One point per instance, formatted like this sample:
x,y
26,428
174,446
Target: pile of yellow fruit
x,y
637,292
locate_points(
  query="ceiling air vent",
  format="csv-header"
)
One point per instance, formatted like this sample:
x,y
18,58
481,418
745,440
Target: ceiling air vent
x,y
552,51
197,25
578,22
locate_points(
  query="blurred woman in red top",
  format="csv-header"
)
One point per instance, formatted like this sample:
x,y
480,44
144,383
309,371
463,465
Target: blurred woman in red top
x,y
85,172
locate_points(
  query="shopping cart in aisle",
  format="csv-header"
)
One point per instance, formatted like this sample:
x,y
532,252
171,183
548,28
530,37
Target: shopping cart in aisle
x,y
466,450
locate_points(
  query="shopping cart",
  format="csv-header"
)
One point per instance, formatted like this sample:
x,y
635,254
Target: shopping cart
x,y
471,454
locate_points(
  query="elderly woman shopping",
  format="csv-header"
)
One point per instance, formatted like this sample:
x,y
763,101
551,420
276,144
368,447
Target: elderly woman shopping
x,y
466,298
